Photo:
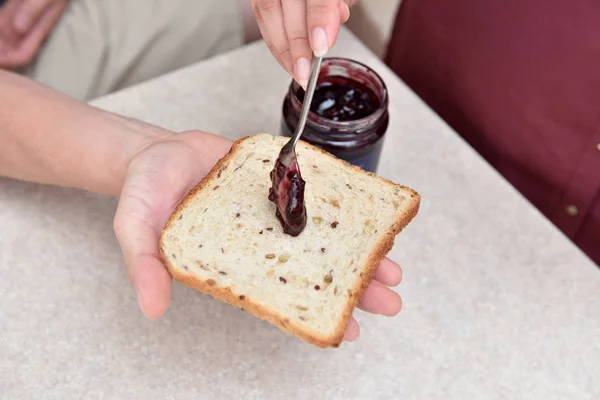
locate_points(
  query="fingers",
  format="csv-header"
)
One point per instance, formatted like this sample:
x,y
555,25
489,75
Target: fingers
x,y
28,13
8,36
26,50
379,299
269,16
294,15
139,243
294,29
344,12
352,331
323,21
13,58
389,273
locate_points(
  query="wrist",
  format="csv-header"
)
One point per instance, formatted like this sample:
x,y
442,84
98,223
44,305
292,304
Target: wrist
x,y
68,143
137,136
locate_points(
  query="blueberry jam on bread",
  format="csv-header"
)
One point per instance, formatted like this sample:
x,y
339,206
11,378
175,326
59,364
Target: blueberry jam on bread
x,y
287,192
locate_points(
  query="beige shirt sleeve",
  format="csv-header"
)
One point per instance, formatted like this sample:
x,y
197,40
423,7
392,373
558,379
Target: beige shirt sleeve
x,y
100,46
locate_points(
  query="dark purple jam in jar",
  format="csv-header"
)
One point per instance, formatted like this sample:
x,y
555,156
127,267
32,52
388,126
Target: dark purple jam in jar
x,y
349,112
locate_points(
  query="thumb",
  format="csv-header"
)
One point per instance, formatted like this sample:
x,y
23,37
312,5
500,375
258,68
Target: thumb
x,y
137,233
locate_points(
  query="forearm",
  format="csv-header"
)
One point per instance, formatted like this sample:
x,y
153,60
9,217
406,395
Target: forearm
x,y
49,138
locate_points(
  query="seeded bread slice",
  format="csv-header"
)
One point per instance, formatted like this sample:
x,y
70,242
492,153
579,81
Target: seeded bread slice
x,y
225,240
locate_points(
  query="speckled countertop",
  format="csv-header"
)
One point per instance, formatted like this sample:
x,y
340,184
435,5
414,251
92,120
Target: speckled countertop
x,y
497,303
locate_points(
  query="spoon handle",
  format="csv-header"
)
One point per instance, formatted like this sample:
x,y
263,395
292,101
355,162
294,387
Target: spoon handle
x,y
308,95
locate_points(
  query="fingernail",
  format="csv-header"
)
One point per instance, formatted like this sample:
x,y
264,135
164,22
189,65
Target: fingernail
x,y
347,15
302,71
22,23
320,44
303,84
141,302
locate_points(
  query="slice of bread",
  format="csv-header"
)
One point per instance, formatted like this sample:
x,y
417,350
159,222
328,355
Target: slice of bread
x,y
225,240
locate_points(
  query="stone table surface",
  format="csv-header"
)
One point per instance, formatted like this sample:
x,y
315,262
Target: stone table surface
x,y
498,304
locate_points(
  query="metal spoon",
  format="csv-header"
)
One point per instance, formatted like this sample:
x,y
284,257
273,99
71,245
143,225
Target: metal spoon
x,y
287,156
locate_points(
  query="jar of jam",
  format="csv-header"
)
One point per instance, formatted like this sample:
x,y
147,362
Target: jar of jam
x,y
348,115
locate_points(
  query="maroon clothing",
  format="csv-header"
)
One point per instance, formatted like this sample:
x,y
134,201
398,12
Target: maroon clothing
x,y
520,81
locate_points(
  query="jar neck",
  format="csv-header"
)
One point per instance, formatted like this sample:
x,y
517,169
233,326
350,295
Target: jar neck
x,y
345,130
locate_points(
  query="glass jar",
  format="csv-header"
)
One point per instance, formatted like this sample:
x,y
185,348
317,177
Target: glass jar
x,y
349,112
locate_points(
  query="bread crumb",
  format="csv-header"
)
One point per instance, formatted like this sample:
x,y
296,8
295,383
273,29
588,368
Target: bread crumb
x,y
317,287
334,224
282,279
270,256
216,187
335,203
328,278
301,308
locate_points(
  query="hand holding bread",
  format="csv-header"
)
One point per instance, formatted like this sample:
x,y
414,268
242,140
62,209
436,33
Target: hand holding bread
x,y
162,175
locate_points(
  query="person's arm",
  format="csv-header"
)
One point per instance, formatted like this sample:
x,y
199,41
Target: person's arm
x,y
49,138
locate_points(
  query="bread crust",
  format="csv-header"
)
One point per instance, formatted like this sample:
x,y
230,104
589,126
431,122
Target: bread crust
x,y
379,251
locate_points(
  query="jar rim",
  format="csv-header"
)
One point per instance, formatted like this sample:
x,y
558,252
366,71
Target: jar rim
x,y
357,124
